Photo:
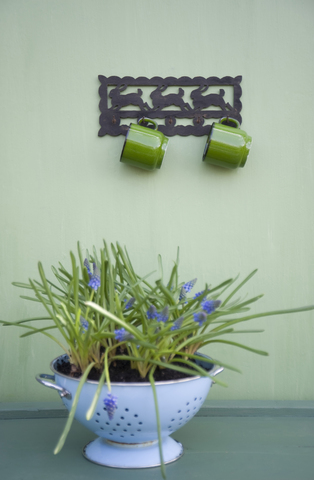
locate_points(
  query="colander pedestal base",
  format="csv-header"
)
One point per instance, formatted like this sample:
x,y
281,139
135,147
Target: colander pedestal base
x,y
124,455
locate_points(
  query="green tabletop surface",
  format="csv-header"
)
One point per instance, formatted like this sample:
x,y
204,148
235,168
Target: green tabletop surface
x,y
220,443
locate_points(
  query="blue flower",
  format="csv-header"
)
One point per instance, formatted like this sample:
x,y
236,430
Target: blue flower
x,y
186,288
84,323
177,324
121,335
94,281
200,318
151,312
198,294
86,264
163,315
111,405
130,303
210,305
94,278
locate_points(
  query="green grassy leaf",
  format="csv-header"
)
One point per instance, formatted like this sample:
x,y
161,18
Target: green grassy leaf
x,y
73,410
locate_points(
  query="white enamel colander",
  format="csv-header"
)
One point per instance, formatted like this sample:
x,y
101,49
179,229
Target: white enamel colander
x,y
130,439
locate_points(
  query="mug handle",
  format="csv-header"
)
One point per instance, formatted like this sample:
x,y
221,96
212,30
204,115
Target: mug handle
x,y
144,119
230,120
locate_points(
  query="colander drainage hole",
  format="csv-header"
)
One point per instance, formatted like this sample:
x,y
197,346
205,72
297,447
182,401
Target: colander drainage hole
x,y
140,423
172,419
107,423
124,430
122,418
101,428
188,403
114,429
188,410
129,425
98,414
179,411
136,415
132,434
97,421
195,399
118,424
139,430
126,409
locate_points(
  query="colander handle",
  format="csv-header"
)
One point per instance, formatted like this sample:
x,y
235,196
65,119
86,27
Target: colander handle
x,y
216,372
62,391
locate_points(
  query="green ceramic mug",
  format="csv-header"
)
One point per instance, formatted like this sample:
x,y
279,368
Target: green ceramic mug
x,y
144,147
227,145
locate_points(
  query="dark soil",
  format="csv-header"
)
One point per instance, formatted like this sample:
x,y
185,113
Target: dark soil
x,y
121,371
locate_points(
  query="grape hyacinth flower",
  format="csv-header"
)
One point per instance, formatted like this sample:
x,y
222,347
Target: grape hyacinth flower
x,y
198,294
177,324
94,278
84,323
111,405
186,288
86,264
151,312
94,282
210,305
163,315
200,318
121,335
130,303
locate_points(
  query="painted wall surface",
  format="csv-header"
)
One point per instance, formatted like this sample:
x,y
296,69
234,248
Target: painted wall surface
x,y
61,183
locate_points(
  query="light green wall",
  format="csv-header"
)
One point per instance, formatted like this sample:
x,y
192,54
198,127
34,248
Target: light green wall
x,y
61,183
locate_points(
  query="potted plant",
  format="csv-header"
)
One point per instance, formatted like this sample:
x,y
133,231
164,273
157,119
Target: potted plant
x,y
132,371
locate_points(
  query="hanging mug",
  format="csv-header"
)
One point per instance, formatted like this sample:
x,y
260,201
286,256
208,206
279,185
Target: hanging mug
x,y
227,145
144,147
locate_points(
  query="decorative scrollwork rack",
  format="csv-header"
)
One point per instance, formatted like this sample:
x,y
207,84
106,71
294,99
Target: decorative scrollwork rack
x,y
114,104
